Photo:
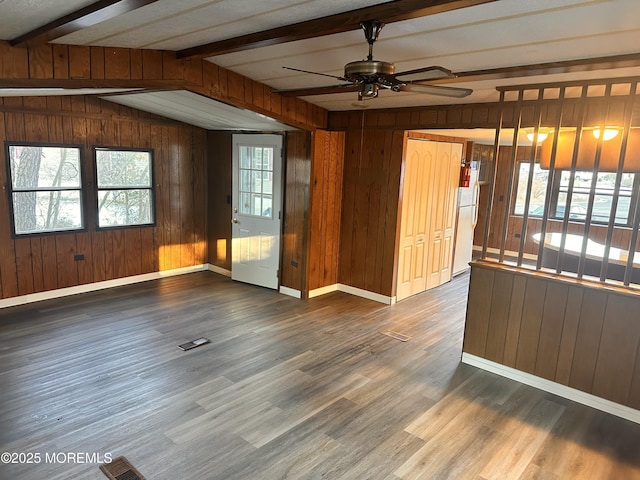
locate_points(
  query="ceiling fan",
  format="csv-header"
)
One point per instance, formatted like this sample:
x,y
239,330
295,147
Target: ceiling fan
x,y
370,75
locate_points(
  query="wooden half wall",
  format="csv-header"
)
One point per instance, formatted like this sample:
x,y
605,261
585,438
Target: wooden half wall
x,y
576,334
46,262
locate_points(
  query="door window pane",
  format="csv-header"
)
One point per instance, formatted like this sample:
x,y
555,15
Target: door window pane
x,y
256,181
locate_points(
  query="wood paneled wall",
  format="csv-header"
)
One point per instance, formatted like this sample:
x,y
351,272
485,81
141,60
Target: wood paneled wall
x,y
46,262
220,161
297,178
372,181
575,334
325,208
479,115
69,65
373,163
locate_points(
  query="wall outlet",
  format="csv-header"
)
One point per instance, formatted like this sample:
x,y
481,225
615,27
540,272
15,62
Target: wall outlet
x,y
78,257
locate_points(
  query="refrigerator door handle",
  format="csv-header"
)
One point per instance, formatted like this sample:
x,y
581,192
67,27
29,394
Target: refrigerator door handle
x,y
476,201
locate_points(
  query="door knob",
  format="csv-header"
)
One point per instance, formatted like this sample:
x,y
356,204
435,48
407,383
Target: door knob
x,y
235,220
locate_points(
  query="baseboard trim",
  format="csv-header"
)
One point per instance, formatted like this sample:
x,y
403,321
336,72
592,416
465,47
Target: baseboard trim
x,y
290,292
359,292
578,396
219,270
92,287
323,290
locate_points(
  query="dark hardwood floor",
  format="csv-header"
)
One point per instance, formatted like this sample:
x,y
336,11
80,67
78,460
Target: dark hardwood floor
x,y
286,389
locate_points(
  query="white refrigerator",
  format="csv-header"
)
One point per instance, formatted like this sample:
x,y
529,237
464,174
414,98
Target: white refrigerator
x,y
467,218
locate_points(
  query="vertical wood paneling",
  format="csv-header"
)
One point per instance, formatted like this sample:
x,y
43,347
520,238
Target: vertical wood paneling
x,y
325,203
532,309
588,340
553,317
60,61
187,237
133,247
499,316
575,335
200,173
49,262
219,152
175,194
36,264
569,335
85,267
618,350
65,265
79,61
297,181
23,266
515,320
478,311
46,262
41,61
373,164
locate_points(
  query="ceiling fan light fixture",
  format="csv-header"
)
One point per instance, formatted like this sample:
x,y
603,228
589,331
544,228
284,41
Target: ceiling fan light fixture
x,y
368,90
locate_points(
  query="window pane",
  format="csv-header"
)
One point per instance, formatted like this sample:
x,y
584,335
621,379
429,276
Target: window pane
x,y
603,196
267,210
245,204
124,207
256,204
44,167
538,190
123,168
245,157
36,212
256,158
267,182
245,180
256,181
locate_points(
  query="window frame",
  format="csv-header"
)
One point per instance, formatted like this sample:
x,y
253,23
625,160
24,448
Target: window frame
x,y
151,188
556,190
81,189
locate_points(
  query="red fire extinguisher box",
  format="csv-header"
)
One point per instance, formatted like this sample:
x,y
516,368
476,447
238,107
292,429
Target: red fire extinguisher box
x,y
465,175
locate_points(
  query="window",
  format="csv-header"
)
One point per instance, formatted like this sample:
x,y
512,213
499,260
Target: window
x,y
124,180
45,188
603,196
256,181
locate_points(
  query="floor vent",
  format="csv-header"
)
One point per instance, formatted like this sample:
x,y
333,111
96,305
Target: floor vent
x,y
121,469
397,336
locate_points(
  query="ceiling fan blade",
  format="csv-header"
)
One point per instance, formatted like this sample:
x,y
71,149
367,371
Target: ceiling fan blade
x,y
422,74
316,73
303,92
440,90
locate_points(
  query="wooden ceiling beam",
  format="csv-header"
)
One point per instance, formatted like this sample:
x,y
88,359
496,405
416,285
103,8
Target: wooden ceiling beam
x,y
550,68
394,11
74,83
83,18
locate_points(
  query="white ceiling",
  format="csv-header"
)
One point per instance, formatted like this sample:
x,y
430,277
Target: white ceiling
x,y
200,111
498,34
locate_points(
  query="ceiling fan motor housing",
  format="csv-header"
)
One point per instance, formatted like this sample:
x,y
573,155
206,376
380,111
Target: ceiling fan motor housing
x,y
369,71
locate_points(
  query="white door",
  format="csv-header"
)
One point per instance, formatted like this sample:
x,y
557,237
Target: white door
x,y
416,217
256,206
